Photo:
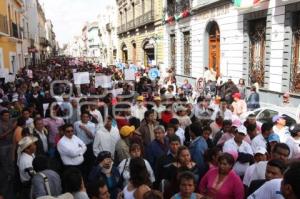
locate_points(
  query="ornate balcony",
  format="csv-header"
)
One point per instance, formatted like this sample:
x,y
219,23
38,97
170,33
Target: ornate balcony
x,y
44,42
145,19
3,24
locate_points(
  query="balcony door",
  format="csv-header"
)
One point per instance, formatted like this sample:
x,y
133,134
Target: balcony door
x,y
214,48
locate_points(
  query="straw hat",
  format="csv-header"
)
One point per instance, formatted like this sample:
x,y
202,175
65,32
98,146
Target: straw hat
x,y
26,142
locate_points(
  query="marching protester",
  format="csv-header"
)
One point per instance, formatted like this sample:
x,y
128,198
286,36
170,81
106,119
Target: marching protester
x,y
151,143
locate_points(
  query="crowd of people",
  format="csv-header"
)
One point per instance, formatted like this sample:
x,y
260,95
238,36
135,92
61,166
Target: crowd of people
x,y
155,139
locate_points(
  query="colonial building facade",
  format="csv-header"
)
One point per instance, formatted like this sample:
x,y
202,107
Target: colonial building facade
x,y
257,43
140,32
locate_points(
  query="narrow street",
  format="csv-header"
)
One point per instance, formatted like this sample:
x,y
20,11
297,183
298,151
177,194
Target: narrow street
x,y
149,99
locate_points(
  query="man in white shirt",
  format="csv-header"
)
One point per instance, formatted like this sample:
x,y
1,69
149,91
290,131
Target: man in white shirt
x,y
29,120
280,151
279,128
26,150
96,114
178,130
71,148
138,110
270,190
261,139
106,138
158,108
260,155
244,150
86,130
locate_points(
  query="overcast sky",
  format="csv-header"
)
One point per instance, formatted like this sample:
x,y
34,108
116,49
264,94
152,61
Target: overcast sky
x,y
69,16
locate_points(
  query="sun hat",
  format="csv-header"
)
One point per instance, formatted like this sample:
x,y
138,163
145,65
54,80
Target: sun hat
x,y
25,142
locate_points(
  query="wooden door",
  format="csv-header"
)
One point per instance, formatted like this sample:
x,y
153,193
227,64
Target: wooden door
x,y
214,48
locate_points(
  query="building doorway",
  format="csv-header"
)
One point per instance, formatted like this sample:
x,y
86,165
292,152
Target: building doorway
x,y
124,54
214,47
149,54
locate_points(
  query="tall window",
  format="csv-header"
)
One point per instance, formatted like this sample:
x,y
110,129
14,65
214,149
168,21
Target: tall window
x,y
257,35
171,7
182,5
295,66
187,53
173,51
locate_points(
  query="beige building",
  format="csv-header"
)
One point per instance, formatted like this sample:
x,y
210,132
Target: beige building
x,y
140,31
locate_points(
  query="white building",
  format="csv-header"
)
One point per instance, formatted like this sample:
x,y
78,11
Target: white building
x,y
250,43
108,34
93,42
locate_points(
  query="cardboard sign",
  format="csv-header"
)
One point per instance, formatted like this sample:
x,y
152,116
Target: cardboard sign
x,y
129,75
81,78
103,80
117,92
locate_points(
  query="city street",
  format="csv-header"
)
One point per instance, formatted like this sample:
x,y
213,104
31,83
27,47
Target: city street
x,y
149,99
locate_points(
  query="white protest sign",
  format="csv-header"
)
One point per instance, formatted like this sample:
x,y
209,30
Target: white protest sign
x,y
117,92
129,74
103,80
81,78
45,107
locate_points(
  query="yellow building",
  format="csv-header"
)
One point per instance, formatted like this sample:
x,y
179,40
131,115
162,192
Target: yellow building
x,y
10,11
140,31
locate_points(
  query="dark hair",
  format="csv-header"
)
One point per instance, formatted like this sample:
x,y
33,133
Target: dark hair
x,y
135,122
25,132
25,109
196,129
153,194
227,157
282,146
3,112
93,187
148,113
138,172
251,127
266,127
135,145
174,138
227,122
37,119
40,163
67,125
210,153
72,179
278,163
174,121
85,112
292,177
207,128
21,121
186,175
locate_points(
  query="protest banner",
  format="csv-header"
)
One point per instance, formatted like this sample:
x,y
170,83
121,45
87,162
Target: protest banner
x,y
81,78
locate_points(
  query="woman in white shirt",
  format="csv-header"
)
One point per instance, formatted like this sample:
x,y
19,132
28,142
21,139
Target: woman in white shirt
x,y
135,151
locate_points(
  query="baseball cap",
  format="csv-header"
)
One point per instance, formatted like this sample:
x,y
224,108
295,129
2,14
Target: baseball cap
x,y
242,129
277,117
273,138
260,150
294,129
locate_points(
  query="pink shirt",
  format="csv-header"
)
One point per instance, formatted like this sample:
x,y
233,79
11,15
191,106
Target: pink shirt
x,y
231,188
